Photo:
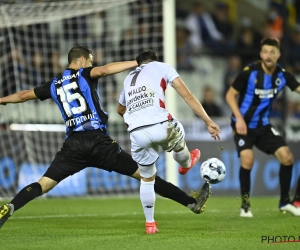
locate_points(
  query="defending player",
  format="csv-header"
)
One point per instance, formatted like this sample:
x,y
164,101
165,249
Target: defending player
x,y
257,87
87,142
142,104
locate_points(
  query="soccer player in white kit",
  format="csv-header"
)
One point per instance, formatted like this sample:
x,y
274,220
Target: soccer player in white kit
x,y
142,104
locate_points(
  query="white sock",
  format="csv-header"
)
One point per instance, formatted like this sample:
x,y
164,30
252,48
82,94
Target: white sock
x,y
147,196
183,157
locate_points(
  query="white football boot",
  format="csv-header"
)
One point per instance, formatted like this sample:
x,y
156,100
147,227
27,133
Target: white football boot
x,y
246,213
290,208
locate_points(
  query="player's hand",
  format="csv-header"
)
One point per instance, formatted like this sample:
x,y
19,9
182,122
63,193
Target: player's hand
x,y
214,130
241,127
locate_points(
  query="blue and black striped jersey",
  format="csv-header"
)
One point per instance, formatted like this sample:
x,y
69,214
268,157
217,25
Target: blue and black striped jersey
x,y
75,94
257,91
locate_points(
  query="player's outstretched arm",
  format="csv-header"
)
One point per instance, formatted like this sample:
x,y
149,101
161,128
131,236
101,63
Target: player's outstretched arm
x,y
21,96
241,127
181,88
112,68
298,90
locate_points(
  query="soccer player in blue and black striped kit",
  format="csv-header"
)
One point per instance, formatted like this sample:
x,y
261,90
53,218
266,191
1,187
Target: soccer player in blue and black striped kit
x,y
256,88
87,142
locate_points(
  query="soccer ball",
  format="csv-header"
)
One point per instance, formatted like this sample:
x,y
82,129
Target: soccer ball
x,y
213,170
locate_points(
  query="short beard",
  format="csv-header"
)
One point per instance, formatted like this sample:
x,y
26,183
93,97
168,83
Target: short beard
x,y
270,68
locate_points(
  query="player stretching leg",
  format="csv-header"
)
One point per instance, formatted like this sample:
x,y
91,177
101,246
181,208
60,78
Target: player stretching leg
x,y
142,104
87,142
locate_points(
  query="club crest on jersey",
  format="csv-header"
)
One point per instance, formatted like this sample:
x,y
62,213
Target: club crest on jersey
x,y
278,81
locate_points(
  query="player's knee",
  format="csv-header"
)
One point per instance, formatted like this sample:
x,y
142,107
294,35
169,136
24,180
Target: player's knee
x,y
152,178
147,172
136,174
47,184
46,189
247,165
287,160
247,159
284,156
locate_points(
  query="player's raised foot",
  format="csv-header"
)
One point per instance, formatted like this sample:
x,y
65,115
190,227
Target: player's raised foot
x,y
201,197
195,157
246,213
5,212
296,204
289,208
151,228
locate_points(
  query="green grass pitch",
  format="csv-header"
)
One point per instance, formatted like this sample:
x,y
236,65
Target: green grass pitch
x,y
118,223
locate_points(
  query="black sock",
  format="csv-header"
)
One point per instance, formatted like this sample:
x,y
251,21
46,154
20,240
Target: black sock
x,y
285,177
297,194
168,190
27,194
245,186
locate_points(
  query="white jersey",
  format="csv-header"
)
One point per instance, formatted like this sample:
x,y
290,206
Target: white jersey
x,y
144,94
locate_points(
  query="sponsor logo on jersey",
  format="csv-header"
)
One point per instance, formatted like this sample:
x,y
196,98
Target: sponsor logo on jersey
x,y
266,93
138,98
139,105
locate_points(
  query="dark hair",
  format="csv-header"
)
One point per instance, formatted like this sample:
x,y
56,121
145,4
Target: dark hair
x,y
146,56
271,42
78,51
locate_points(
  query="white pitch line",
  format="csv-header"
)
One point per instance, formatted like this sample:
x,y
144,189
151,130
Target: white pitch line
x,y
54,216
91,215
122,214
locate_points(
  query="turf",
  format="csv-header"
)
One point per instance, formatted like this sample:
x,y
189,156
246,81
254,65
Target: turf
x,y
118,223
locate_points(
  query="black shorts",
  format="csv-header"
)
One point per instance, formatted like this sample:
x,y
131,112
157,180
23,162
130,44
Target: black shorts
x,y
90,149
266,139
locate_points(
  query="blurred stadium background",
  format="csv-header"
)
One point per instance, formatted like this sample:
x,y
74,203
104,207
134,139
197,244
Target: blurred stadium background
x,y
35,37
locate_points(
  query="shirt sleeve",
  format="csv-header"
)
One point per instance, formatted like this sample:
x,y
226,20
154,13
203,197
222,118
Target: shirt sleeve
x,y
86,73
240,82
291,81
43,92
122,100
171,74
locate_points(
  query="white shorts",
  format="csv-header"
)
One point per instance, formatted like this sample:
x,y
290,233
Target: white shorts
x,y
145,141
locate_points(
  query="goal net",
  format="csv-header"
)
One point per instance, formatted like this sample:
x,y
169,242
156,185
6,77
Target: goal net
x,y
35,38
